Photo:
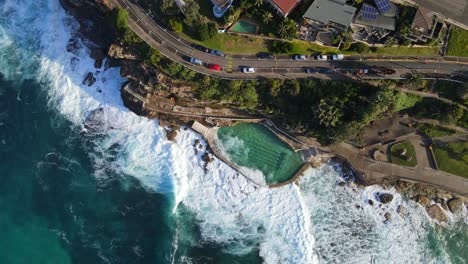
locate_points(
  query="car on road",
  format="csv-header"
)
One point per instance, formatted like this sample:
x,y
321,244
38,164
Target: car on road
x,y
201,48
324,70
217,53
300,57
248,70
196,61
214,67
338,57
321,57
265,55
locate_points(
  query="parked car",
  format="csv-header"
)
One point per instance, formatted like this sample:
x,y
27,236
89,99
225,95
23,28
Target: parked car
x,y
300,57
265,55
321,57
308,70
196,61
385,71
338,57
217,53
214,67
324,70
248,70
201,48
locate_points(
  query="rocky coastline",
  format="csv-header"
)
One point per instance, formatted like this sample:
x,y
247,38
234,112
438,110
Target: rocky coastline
x,y
142,78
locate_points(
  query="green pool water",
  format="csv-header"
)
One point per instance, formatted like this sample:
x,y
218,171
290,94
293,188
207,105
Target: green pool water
x,y
244,27
256,147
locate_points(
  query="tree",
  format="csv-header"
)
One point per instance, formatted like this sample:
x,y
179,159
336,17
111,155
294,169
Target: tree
x,y
267,17
413,79
192,14
287,29
175,25
391,41
359,47
281,47
119,19
206,31
328,113
258,3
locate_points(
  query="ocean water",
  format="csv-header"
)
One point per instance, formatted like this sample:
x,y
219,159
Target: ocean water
x,y
84,180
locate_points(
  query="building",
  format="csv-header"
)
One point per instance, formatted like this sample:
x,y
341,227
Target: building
x,y
220,7
425,26
330,13
373,23
284,7
368,16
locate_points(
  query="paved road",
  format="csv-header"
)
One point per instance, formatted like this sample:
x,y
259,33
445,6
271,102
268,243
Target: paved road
x,y
178,49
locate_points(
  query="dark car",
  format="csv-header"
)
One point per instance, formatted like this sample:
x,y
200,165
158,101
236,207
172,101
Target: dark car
x,y
265,55
309,70
201,48
217,53
324,70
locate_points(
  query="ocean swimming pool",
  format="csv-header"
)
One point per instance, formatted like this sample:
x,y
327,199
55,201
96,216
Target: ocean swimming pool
x,y
255,147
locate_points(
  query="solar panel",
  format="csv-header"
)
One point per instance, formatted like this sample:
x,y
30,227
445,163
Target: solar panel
x,y
383,6
368,12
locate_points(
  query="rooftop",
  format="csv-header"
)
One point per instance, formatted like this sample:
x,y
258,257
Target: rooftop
x,y
424,18
368,16
286,6
335,11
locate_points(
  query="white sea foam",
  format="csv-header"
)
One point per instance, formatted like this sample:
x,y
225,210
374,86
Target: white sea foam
x,y
230,207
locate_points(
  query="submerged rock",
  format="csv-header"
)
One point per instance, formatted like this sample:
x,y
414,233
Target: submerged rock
x,y
370,202
436,213
385,198
89,79
98,55
455,205
388,216
423,200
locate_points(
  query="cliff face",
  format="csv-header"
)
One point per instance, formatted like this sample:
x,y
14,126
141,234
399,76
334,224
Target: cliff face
x,y
91,16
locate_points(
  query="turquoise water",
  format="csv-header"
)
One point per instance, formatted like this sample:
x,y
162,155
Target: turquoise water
x,y
256,147
244,27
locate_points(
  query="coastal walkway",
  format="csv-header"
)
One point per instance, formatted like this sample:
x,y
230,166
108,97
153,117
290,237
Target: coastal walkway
x,y
377,172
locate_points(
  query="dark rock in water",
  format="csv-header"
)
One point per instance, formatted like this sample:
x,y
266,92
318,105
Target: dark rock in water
x,y
357,206
98,55
455,205
423,200
444,205
172,134
388,216
89,79
73,45
206,157
370,202
95,120
401,210
196,142
385,198
332,244
342,183
436,213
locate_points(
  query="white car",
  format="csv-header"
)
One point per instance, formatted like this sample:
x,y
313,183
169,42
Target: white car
x,y
321,57
248,70
300,57
338,57
196,61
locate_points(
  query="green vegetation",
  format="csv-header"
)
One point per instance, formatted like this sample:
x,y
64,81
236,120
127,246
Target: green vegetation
x,y
458,42
436,109
434,131
403,23
456,92
403,154
453,158
359,47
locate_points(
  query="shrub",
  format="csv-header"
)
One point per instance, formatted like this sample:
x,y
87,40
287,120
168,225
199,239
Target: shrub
x,y
206,31
359,47
175,25
281,47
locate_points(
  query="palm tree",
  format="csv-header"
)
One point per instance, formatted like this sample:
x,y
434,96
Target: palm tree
x,y
413,79
258,2
267,17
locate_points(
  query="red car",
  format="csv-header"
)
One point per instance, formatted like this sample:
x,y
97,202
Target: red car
x,y
214,67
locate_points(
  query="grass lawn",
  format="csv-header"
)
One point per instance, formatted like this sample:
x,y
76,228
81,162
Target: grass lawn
x,y
458,42
396,151
453,158
433,131
233,43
